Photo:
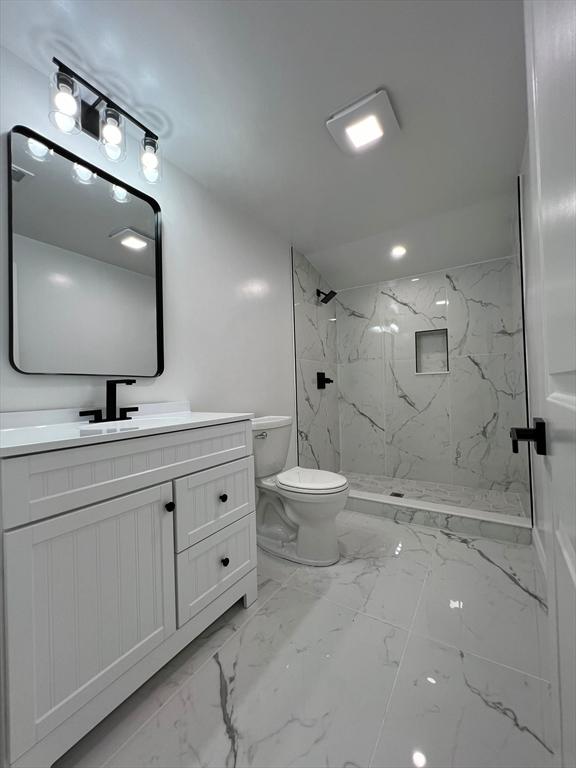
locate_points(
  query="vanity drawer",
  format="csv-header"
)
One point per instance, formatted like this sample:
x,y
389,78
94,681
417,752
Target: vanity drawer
x,y
46,484
209,568
211,500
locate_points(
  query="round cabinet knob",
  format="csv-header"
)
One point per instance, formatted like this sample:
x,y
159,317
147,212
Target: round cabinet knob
x,y
170,507
223,497
225,561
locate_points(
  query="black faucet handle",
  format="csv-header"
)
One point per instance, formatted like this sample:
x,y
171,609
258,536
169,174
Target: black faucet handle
x,y
125,411
97,413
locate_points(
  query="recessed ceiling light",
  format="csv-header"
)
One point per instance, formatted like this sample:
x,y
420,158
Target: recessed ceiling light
x,y
364,123
398,251
130,238
419,759
365,131
414,279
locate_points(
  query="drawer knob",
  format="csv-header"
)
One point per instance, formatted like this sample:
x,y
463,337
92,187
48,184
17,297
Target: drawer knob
x,y
225,562
170,507
223,497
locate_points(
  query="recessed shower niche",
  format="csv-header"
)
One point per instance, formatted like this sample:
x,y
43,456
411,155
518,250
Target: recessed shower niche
x,y
432,351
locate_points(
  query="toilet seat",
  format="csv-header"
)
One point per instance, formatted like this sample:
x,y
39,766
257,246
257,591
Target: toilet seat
x,y
311,481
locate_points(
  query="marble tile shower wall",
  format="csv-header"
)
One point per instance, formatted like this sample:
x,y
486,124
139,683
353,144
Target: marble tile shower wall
x,y
445,427
315,333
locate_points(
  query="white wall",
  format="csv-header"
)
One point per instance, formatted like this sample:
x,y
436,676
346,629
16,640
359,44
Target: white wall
x,y
227,288
74,313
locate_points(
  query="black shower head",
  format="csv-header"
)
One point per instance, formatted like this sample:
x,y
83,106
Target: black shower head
x,y
326,297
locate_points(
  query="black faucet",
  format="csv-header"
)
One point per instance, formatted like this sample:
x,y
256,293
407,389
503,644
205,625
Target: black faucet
x,y
111,401
111,395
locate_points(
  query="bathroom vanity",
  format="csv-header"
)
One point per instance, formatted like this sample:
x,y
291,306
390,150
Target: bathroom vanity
x,y
122,542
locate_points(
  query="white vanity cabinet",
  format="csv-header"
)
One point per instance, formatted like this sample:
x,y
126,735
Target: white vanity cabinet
x,y
116,555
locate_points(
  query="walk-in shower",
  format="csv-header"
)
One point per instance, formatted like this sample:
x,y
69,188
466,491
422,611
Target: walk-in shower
x,y
427,379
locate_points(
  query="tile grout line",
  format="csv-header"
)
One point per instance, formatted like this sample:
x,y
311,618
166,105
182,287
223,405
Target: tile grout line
x,y
388,703
281,585
424,636
354,610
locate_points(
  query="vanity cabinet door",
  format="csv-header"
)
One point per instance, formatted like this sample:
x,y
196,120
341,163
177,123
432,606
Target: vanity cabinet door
x,y
88,594
211,500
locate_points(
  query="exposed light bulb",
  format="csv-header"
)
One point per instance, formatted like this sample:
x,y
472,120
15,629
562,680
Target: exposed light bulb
x,y
111,132
119,194
112,151
37,150
65,102
149,159
66,123
112,135
82,174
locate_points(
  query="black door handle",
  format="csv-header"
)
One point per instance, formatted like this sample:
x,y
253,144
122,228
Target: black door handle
x,y
223,497
322,380
225,561
170,506
535,434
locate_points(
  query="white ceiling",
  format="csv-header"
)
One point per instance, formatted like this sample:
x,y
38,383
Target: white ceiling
x,y
240,91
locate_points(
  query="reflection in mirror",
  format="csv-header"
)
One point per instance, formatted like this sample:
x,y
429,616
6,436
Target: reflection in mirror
x,y
85,267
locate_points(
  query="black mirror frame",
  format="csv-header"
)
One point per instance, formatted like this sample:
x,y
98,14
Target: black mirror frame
x,y
30,134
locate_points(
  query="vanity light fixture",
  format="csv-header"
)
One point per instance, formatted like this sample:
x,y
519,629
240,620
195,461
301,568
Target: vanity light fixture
x,y
65,103
398,251
414,279
364,123
77,105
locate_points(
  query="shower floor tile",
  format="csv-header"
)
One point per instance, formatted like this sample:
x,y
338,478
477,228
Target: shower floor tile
x,y
330,668
504,502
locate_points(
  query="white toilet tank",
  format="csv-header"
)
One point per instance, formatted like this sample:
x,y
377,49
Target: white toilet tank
x,y
271,443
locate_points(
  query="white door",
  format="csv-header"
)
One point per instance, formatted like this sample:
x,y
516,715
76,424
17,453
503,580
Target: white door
x,y
550,255
88,594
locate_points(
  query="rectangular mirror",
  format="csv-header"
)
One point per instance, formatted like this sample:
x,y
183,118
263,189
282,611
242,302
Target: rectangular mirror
x,y
85,267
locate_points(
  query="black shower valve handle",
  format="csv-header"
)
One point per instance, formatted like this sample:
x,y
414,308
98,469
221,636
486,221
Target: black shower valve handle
x,y
322,380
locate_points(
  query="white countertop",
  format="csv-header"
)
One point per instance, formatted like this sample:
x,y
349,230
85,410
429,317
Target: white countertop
x,y
29,432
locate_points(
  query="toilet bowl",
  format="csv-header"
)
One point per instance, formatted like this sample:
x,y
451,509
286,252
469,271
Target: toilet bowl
x,y
296,509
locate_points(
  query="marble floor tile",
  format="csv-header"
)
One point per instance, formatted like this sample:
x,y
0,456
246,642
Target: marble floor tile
x,y
279,693
482,598
450,709
387,588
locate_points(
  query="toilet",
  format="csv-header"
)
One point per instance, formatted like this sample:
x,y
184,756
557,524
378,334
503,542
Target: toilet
x,y
296,509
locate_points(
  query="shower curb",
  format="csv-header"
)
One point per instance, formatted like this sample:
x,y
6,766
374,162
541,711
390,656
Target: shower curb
x,y
489,525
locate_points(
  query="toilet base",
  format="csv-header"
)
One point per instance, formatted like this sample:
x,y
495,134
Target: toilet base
x,y
287,550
